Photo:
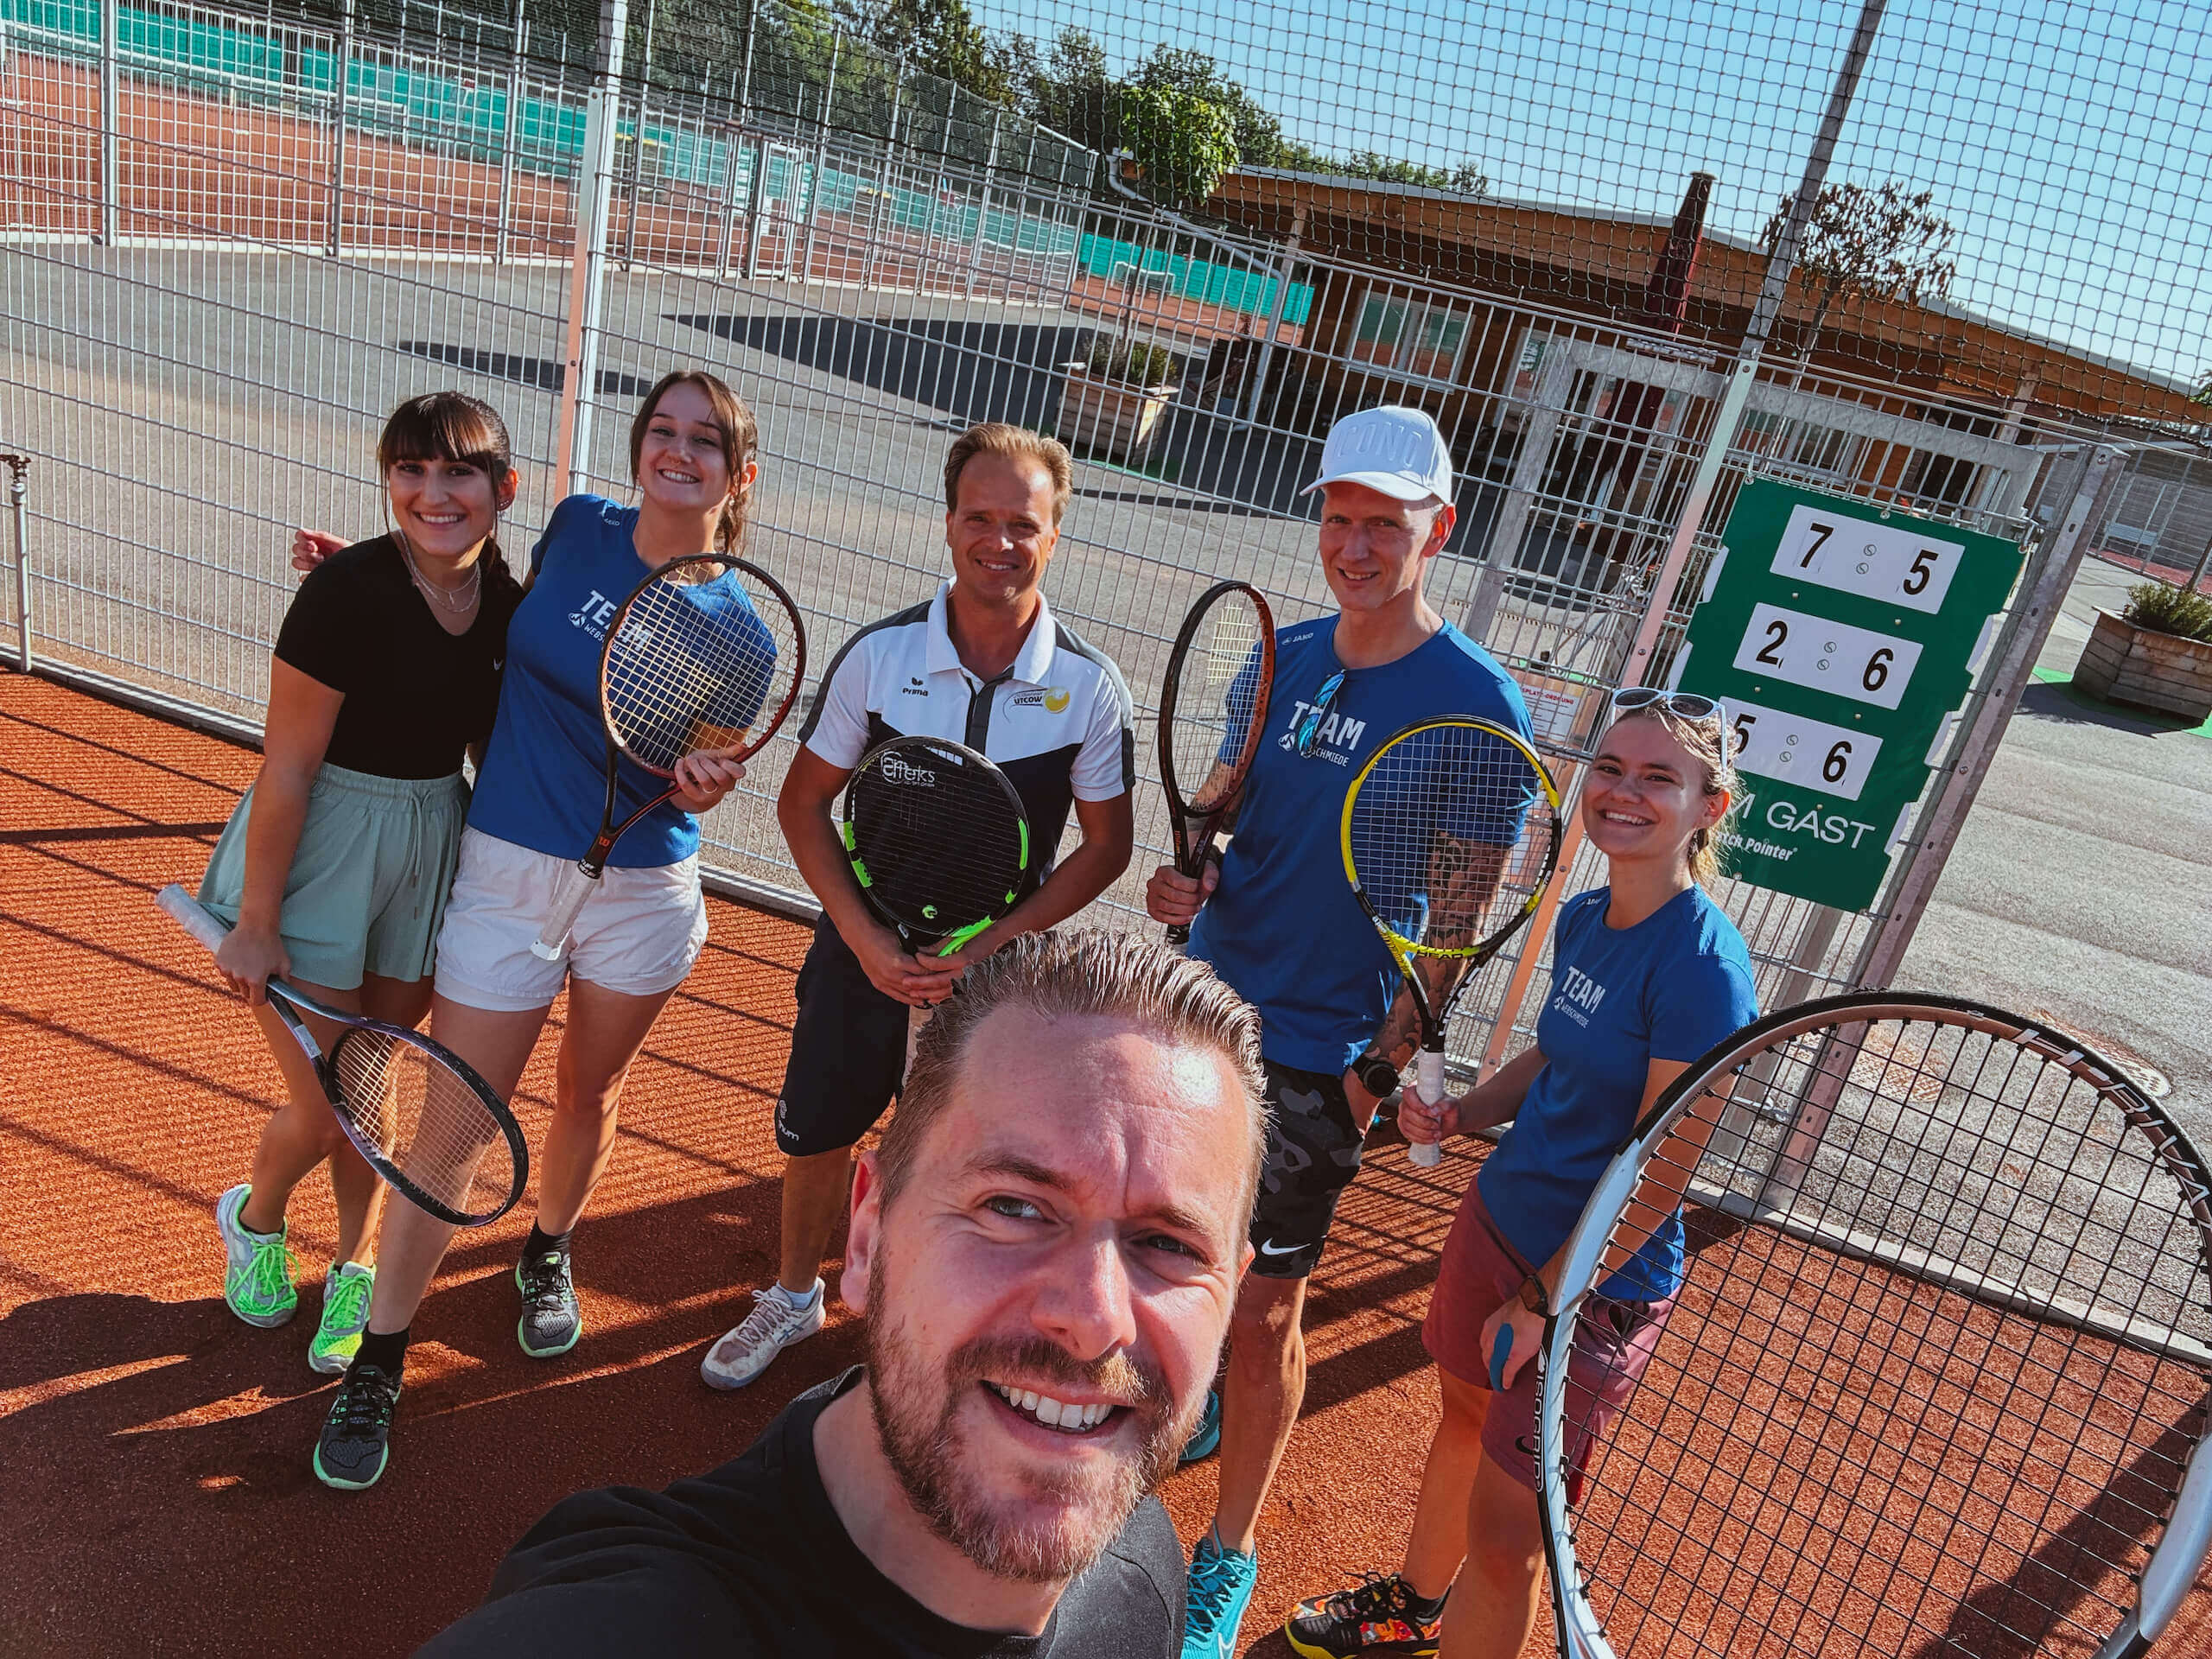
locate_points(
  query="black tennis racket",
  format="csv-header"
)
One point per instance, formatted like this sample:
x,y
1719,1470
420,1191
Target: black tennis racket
x,y
706,653
1936,1376
429,1127
1213,706
1450,833
938,838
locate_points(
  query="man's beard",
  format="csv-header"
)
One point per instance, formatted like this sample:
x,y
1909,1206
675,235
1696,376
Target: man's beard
x,y
916,1419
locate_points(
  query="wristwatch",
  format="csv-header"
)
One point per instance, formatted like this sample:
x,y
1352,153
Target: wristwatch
x,y
1533,1297
1375,1074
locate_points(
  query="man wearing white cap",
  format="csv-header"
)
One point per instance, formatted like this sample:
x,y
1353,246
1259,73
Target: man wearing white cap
x,y
1276,918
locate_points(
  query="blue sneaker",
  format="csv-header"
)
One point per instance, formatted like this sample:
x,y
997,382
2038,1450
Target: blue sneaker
x,y
1205,1439
1221,1587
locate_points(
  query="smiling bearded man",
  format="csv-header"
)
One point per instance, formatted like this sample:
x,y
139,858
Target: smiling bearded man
x,y
1047,1248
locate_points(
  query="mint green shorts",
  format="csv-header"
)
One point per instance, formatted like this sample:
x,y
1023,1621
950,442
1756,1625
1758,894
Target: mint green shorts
x,y
367,887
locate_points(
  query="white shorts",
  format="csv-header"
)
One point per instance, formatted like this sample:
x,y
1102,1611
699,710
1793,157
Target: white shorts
x,y
638,933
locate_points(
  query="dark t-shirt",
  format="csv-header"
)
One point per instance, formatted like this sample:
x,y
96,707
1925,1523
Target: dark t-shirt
x,y
750,1561
416,696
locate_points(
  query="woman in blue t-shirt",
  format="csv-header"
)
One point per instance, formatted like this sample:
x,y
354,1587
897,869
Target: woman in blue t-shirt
x,y
1647,975
536,811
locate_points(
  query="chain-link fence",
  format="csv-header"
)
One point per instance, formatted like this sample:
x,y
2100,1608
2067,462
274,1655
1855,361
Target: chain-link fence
x,y
232,240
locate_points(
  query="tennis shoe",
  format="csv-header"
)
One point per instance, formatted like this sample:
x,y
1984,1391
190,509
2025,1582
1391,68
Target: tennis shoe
x,y
356,1439
1213,1607
1205,1439
345,1315
257,1266
551,1319
1379,1615
778,1320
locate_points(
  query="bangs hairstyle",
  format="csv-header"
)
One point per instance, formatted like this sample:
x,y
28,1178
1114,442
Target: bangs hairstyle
x,y
741,442
1015,443
452,426
1071,973
1708,745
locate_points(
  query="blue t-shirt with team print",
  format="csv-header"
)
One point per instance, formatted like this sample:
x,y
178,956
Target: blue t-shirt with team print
x,y
1283,928
1668,988
543,779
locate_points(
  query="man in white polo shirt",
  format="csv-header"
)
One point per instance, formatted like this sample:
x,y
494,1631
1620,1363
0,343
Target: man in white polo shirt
x,y
985,664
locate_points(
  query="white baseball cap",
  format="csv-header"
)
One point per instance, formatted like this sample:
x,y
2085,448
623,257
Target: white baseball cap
x,y
1394,449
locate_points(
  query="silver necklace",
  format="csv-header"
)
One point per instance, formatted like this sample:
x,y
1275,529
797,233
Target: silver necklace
x,y
468,588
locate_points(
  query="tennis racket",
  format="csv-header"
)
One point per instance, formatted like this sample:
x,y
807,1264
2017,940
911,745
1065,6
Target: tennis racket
x,y
706,653
429,1127
938,838
1450,833
1213,706
1936,1376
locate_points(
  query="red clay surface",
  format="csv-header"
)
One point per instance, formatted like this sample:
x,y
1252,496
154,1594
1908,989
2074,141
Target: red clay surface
x,y
158,1496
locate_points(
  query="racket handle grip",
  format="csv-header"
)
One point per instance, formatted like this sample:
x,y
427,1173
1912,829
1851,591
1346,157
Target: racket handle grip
x,y
568,899
1428,1071
1178,935
187,913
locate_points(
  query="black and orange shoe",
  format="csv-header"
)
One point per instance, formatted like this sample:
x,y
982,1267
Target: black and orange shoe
x,y
1381,1614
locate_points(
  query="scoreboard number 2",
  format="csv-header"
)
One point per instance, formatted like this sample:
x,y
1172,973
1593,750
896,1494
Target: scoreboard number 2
x,y
1893,563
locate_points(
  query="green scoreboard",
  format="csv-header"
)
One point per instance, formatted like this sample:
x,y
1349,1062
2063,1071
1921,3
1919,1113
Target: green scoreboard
x,y
1844,639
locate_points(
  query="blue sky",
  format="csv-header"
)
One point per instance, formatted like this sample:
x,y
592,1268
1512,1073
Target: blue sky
x,y
2069,142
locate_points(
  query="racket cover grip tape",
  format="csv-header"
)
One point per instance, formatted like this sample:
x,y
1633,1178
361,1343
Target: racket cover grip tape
x,y
569,900
186,911
1429,1072
1501,1349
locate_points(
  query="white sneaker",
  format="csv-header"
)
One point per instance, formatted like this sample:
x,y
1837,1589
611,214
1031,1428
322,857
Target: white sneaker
x,y
778,1320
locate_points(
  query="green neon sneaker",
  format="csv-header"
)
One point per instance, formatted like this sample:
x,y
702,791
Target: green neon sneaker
x,y
345,1316
257,1266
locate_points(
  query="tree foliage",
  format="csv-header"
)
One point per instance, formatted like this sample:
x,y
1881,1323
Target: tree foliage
x,y
1182,143
1888,243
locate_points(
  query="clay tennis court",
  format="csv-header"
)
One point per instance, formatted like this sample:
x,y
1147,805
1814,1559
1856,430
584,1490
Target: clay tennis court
x,y
158,1494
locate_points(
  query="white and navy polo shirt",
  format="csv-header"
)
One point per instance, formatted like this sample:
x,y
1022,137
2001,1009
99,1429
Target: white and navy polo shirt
x,y
1058,723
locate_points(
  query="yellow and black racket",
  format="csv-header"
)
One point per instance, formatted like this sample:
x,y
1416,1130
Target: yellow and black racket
x,y
1450,833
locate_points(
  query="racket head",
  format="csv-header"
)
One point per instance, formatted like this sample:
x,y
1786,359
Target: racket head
x,y
1213,708
706,652
936,835
429,1125
1940,1356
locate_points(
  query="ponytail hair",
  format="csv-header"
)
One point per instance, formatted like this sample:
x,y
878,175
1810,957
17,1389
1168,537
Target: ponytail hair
x,y
453,426
741,442
1708,744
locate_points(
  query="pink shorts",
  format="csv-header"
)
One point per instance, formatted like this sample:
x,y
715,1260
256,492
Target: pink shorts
x,y
1479,1272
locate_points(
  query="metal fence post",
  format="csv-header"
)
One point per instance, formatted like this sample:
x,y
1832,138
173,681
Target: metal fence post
x,y
638,140
1952,792
110,121
18,466
821,160
335,218
983,205
588,263
509,128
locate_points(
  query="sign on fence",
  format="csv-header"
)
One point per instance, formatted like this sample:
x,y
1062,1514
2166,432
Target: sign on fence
x,y
1843,637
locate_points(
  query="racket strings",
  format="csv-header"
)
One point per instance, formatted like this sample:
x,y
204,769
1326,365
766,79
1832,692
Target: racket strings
x,y
1217,695
942,841
431,1123
694,665
1933,1375
1451,837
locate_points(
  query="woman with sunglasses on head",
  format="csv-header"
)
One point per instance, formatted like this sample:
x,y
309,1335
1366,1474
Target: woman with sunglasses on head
x,y
537,809
1648,973
333,870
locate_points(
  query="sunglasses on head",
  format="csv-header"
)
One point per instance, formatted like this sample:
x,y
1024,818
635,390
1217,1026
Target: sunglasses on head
x,y
1309,723
1687,705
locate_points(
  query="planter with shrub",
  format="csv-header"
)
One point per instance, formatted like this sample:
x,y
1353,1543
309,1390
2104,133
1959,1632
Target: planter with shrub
x,y
2155,654
1113,398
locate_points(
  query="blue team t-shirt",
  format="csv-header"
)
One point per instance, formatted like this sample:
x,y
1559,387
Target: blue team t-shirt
x,y
1283,928
543,779
1668,988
